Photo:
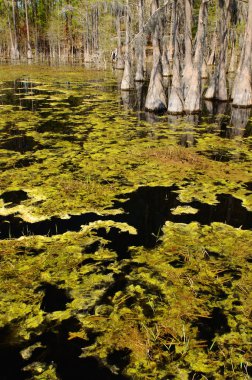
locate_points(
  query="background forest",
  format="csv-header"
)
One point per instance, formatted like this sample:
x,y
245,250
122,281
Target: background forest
x,y
189,41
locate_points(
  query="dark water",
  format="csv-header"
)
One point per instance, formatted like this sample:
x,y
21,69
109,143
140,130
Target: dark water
x,y
230,121
147,209
14,93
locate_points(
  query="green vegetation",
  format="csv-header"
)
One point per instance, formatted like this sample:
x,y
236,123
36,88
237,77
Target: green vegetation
x,y
177,311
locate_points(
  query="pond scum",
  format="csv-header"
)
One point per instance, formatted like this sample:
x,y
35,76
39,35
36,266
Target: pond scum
x,y
76,304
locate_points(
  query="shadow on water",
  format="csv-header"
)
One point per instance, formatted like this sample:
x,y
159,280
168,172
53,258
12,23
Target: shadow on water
x,y
15,93
20,144
14,197
147,209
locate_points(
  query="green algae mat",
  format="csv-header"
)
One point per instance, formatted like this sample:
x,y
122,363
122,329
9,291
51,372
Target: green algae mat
x,y
125,237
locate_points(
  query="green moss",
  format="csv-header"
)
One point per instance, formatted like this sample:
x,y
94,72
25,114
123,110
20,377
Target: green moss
x,y
89,151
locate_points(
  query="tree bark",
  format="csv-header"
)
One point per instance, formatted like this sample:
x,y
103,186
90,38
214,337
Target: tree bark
x,y
172,32
233,59
242,90
165,59
156,98
212,56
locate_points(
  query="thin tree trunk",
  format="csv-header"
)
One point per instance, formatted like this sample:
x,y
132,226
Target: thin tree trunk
x,y
175,103
242,90
127,80
212,56
233,59
139,77
193,97
156,98
172,32
12,48
15,54
165,58
188,63
165,49
119,62
29,50
218,85
87,50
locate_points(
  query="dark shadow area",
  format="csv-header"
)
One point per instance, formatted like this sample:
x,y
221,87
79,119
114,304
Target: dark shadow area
x,y
147,209
57,349
248,186
14,197
20,144
54,126
11,361
54,299
65,352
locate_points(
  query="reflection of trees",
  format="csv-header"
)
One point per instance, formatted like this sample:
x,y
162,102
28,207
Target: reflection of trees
x,y
140,98
216,108
239,121
219,115
187,138
135,100
127,100
184,127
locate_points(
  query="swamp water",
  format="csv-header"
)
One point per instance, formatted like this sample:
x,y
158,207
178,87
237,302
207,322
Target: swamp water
x,y
125,236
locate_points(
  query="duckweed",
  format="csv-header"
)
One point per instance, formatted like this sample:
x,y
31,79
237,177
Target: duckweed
x,y
180,310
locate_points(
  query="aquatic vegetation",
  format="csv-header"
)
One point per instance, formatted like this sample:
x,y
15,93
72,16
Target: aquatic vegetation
x,y
143,288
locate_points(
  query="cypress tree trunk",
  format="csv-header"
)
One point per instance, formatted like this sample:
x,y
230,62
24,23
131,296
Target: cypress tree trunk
x,y
218,85
212,56
239,121
139,77
242,90
188,64
193,97
127,80
29,50
172,32
175,103
156,98
119,62
233,59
